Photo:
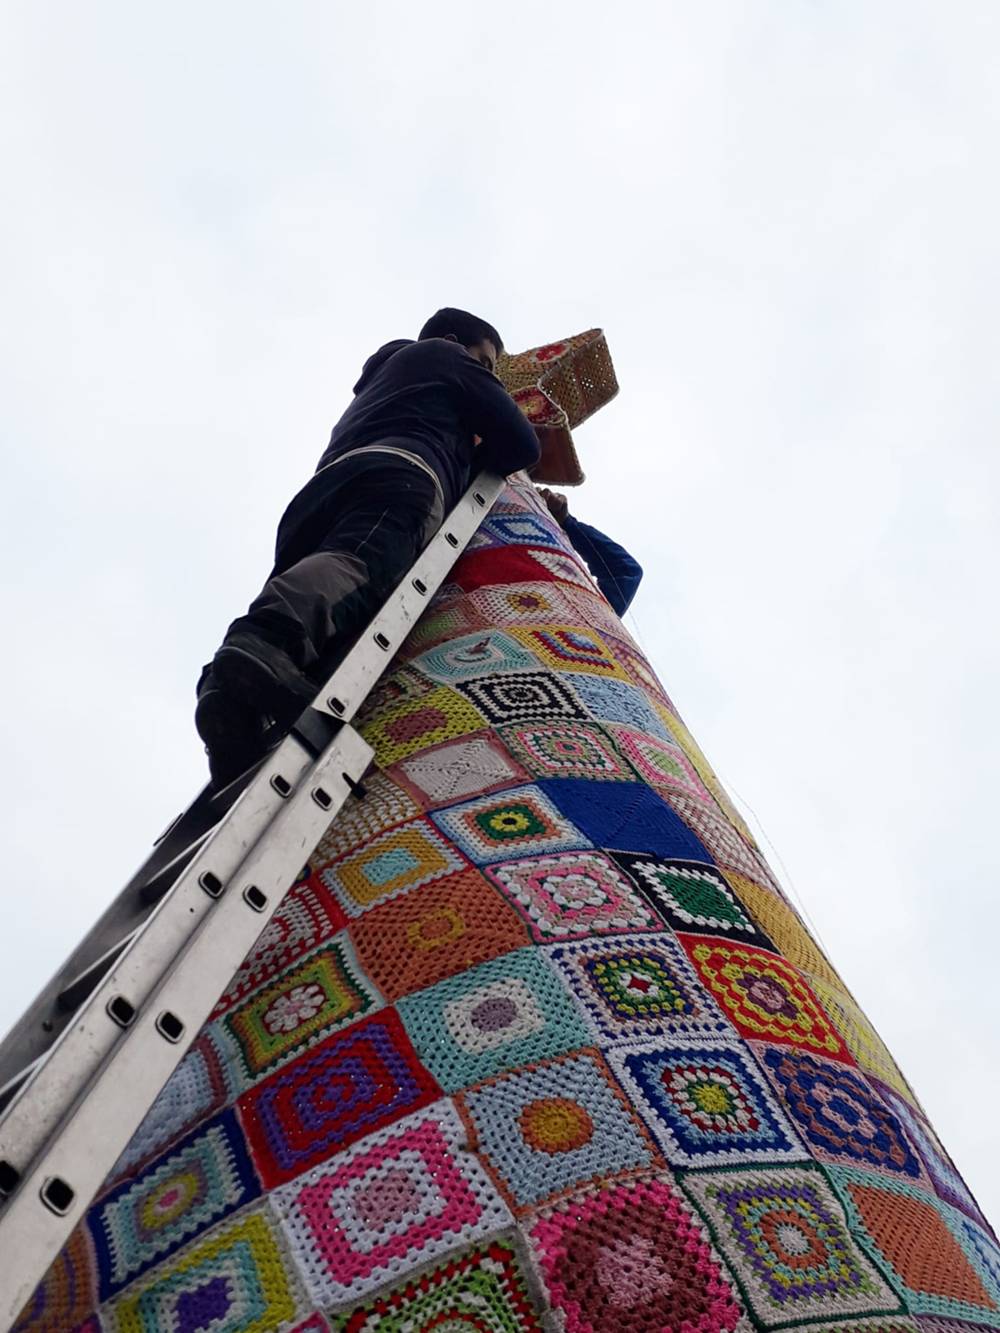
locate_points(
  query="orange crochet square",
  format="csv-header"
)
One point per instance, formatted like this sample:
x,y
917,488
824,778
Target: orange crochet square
x,y
764,996
435,931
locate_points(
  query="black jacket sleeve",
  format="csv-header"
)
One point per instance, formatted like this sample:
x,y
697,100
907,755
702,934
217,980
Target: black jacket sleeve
x,y
618,575
509,442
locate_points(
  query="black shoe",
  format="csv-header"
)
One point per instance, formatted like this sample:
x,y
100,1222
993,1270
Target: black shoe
x,y
262,677
236,736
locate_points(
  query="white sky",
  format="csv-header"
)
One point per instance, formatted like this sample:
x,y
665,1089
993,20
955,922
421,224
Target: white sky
x,y
785,216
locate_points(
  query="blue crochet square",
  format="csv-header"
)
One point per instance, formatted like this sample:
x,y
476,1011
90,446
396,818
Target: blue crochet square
x,y
617,701
624,817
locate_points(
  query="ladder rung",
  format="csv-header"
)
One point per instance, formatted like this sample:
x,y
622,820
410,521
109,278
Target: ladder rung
x,y
76,991
153,889
13,1085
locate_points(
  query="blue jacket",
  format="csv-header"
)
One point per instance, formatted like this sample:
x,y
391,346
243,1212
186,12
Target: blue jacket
x,y
618,575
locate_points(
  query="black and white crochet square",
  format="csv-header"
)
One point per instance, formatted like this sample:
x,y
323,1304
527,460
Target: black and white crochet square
x,y
527,696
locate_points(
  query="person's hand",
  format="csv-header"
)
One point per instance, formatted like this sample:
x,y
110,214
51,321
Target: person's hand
x,y
558,504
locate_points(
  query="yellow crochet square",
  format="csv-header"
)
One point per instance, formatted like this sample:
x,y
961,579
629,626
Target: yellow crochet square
x,y
779,921
862,1040
563,647
402,729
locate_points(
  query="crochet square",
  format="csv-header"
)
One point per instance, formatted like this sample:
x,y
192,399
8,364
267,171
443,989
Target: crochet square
x,y
705,1102
563,567
149,1217
66,1294
351,1084
624,816
633,1257
236,1282
553,1127
572,895
443,928
764,997
783,1233
307,916
567,750
725,844
694,897
519,822
863,1042
791,939
939,1267
661,763
391,863
196,1089
360,819
505,1012
405,1196
524,696
572,648
522,530
458,769
637,986
618,701
490,652
320,993
436,716
443,620
839,1114
479,1288
528,603
497,566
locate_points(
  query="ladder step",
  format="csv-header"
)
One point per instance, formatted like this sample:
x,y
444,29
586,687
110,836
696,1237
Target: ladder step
x,y
13,1085
73,995
152,890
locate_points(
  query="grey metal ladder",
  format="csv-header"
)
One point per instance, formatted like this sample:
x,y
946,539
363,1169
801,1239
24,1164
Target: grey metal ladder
x,y
82,1067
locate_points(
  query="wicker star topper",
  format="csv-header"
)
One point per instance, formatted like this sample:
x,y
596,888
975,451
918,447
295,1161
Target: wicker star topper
x,y
558,386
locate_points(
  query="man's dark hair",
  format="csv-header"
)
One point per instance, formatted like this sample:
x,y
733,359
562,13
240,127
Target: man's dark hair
x,y
468,329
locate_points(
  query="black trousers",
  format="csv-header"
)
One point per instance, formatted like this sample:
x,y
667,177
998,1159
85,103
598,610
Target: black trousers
x,y
343,544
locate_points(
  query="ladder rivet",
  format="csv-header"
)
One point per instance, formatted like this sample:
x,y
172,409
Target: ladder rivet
x,y
57,1195
121,1011
420,586
281,785
451,539
10,1177
255,898
168,1025
212,884
336,705
382,641
322,798
479,499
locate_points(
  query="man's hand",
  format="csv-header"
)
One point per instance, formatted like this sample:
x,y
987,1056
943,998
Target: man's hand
x,y
558,504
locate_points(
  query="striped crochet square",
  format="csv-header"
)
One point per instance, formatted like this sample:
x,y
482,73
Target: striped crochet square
x,y
764,997
524,696
624,816
404,728
455,770
479,1288
505,1012
397,860
435,931
942,1263
571,895
350,1085
149,1217
619,701
490,652
705,1102
236,1282
633,1257
694,897
573,648
320,993
384,804
839,1114
68,1291
521,821
786,1241
403,1197
567,750
637,986
553,1127
661,763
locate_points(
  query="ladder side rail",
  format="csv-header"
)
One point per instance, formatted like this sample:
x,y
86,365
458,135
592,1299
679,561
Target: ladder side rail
x,y
93,1134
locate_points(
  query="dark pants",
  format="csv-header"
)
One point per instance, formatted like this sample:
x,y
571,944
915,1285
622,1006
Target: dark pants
x,y
343,544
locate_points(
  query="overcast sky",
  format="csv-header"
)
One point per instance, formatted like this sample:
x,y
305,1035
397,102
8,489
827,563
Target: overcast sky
x,y
785,215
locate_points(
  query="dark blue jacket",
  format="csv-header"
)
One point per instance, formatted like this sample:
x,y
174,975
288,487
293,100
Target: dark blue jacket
x,y
618,575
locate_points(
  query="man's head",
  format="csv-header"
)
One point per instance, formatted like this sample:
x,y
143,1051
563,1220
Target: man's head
x,y
479,338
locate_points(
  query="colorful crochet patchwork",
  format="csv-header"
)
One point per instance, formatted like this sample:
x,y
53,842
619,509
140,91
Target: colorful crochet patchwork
x,y
764,996
237,1282
839,1114
694,897
384,805
626,816
320,993
530,696
567,750
405,1196
786,1241
482,1288
143,1221
67,1294
637,986
550,1128
503,1013
572,895
337,1092
633,1257
456,769
404,858
518,822
435,931
943,1265
705,1102
861,1039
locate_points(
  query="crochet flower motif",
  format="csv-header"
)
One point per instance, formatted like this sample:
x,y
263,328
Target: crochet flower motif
x,y
294,1007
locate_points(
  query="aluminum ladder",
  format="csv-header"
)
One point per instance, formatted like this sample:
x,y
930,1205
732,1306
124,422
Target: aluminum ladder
x,y
83,1066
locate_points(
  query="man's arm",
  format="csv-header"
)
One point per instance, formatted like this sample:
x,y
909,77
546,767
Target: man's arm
x,y
618,575
509,442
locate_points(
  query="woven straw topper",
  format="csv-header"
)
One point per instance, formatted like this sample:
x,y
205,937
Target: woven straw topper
x,y
557,387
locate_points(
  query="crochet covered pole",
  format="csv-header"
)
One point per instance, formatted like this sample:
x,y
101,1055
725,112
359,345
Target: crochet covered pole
x,y
538,1043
